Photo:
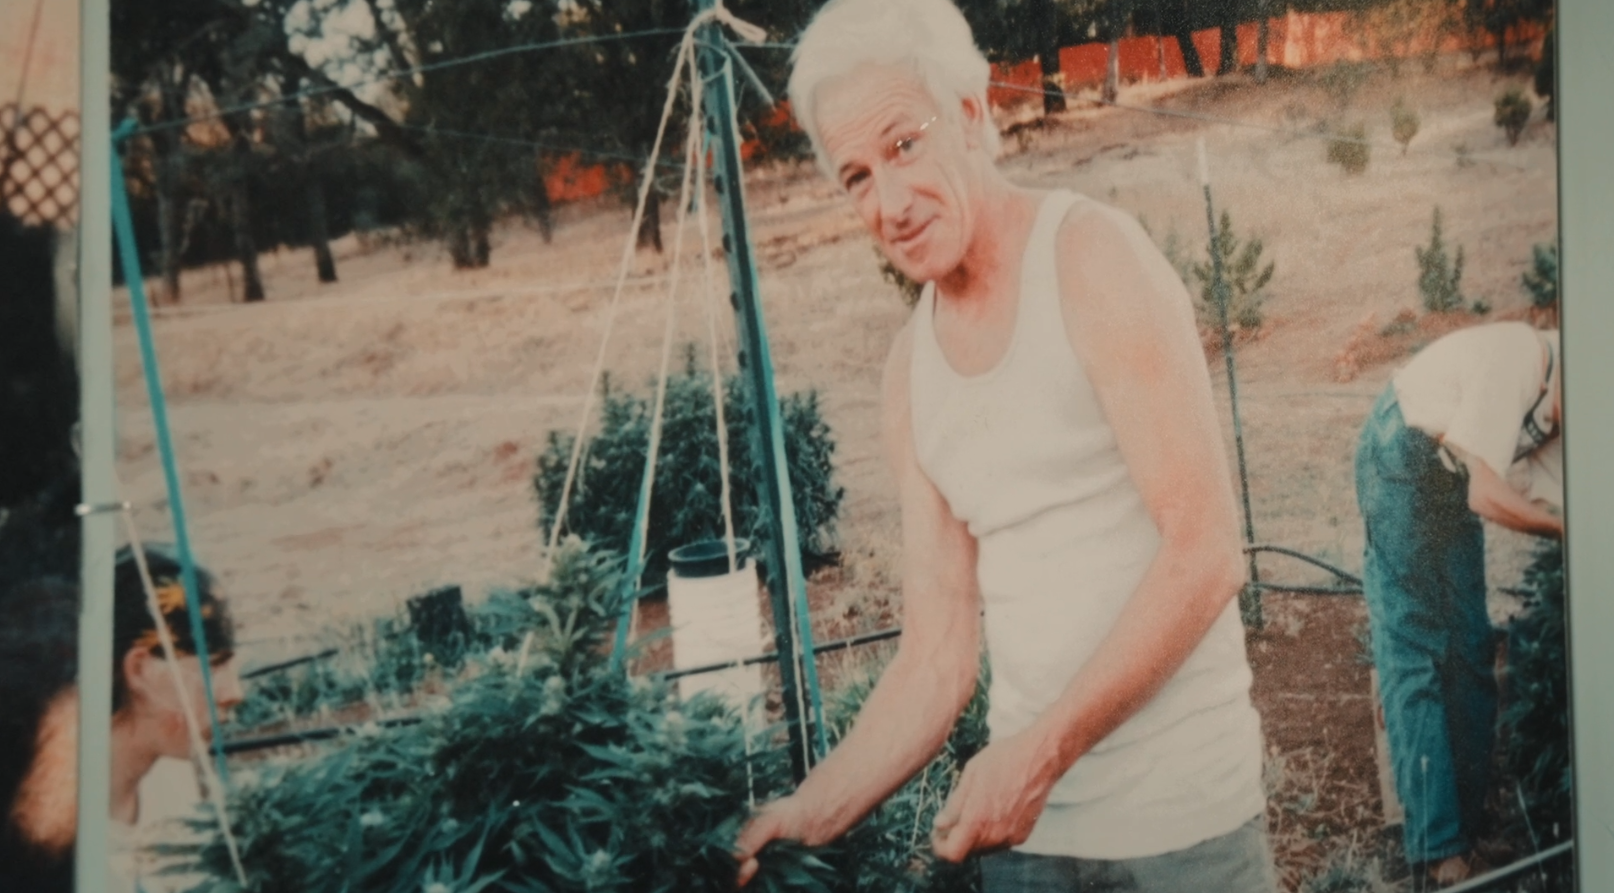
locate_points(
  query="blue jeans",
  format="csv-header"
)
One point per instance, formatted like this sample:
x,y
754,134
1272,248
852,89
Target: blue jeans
x,y
1238,862
1424,578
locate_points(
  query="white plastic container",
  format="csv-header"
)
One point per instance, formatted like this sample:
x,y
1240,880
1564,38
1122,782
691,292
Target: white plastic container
x,y
715,619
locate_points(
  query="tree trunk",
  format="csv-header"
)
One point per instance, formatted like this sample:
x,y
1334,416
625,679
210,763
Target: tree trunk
x,y
1053,90
167,146
168,210
1229,61
1190,53
650,226
468,245
1112,72
459,247
544,211
318,233
1261,42
241,218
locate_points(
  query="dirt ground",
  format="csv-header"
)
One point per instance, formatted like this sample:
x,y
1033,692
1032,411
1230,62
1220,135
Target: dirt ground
x,y
347,446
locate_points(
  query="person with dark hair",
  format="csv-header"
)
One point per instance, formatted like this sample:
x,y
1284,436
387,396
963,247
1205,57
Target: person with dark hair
x,y
39,727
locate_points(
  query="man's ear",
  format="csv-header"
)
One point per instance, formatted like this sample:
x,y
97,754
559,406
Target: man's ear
x,y
973,114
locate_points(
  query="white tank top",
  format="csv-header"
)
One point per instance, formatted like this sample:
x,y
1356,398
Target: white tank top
x,y
1025,457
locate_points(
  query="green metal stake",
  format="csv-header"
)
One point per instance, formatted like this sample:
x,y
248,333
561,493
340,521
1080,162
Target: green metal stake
x,y
1250,598
129,256
786,581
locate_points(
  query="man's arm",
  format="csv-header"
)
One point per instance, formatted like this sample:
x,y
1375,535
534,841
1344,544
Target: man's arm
x,y
1490,497
908,716
1129,318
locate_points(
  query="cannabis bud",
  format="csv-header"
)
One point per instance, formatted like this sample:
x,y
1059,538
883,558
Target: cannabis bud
x,y
554,696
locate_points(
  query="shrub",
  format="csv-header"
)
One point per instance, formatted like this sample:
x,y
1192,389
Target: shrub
x,y
1536,714
686,504
1513,110
1403,124
1439,276
1349,148
1541,280
1243,277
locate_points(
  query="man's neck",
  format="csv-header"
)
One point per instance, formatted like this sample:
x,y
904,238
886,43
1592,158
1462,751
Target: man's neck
x,y
992,261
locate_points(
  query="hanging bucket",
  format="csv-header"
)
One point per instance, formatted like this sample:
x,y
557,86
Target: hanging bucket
x,y
715,619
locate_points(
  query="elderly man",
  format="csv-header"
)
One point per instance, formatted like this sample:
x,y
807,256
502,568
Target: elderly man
x,y
1049,418
1431,462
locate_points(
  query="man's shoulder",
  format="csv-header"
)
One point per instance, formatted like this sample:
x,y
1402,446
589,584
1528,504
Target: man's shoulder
x,y
1105,255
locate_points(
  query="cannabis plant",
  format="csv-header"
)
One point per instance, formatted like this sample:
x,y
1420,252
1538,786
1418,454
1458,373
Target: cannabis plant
x,y
889,851
1536,715
686,504
1439,275
1244,279
1541,280
548,769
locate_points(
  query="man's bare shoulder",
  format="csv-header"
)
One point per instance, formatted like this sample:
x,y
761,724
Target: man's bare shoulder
x,y
1094,233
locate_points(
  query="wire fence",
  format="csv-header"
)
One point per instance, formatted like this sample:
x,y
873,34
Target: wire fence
x,y
39,164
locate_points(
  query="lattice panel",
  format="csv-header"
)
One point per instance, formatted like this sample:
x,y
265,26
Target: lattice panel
x,y
39,164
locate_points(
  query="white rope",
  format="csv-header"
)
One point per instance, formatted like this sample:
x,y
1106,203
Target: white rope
x,y
199,751
746,31
658,414
726,497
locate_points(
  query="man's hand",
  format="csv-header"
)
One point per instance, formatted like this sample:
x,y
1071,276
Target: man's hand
x,y
998,799
783,819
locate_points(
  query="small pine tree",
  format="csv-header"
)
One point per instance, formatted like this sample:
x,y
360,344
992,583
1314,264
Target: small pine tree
x,y
1439,276
1403,124
1242,274
1349,148
1513,110
1541,280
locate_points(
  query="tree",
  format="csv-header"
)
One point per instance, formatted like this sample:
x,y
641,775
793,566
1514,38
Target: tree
x,y
159,45
1111,20
1045,22
1499,18
1227,24
1261,40
1177,22
619,95
476,128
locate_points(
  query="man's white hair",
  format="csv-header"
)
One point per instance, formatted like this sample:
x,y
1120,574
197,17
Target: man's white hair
x,y
931,36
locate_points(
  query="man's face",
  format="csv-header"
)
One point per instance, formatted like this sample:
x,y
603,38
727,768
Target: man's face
x,y
904,165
